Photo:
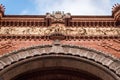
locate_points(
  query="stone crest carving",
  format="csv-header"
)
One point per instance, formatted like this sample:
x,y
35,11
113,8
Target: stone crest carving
x,y
58,16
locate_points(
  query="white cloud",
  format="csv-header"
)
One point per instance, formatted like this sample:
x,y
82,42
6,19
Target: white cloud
x,y
81,7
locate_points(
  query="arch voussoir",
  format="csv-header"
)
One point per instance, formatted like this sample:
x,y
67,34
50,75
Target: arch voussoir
x,y
104,60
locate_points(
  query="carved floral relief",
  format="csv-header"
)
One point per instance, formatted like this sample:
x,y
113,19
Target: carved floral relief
x,y
6,45
73,31
110,45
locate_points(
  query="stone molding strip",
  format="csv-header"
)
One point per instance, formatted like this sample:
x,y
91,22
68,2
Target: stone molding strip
x,y
110,62
26,37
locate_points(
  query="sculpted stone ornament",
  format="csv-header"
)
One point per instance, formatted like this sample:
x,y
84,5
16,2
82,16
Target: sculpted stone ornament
x,y
58,33
61,29
116,11
2,10
58,16
108,45
7,45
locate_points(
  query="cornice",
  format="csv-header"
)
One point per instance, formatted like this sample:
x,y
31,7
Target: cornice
x,y
24,16
80,18
72,23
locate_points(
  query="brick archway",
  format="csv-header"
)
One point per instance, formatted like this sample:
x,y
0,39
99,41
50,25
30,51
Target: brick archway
x,y
94,62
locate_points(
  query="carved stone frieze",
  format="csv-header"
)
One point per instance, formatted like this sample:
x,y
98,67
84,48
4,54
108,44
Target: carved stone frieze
x,y
71,31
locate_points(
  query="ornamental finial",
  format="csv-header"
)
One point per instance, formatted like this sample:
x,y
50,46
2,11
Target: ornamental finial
x,y
2,10
116,7
116,11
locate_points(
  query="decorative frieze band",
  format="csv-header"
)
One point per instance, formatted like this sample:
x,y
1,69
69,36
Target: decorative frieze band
x,y
67,31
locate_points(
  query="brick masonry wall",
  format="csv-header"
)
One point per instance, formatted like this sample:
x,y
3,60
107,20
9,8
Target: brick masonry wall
x,y
111,47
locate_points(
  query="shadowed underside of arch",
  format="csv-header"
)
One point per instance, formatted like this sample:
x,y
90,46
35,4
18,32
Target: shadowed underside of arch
x,y
59,56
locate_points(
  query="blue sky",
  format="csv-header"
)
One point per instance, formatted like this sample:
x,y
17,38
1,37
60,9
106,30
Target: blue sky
x,y
75,7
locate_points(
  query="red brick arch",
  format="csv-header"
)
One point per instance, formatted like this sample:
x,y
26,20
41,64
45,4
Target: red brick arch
x,y
97,63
